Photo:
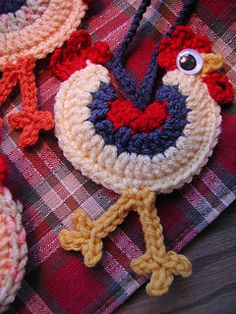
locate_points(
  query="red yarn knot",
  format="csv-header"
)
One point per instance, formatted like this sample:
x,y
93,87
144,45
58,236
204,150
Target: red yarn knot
x,y
220,89
76,51
182,37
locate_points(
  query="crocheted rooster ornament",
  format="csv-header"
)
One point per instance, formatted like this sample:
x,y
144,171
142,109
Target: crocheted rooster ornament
x,y
138,151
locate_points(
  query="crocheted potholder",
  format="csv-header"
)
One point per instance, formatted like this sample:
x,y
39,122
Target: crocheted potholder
x,y
143,144
30,30
13,248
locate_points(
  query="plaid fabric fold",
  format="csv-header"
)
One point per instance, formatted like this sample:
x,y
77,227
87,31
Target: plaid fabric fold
x,y
51,189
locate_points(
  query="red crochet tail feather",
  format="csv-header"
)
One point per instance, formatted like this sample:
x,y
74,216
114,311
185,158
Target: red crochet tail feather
x,y
76,52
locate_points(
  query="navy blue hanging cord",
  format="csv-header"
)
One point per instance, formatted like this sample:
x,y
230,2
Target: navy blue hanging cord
x,y
141,96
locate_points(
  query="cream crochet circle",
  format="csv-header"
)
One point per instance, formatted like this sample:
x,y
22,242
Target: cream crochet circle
x,y
13,249
164,172
46,33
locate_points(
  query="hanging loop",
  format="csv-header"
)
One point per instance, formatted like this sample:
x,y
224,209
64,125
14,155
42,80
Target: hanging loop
x,y
141,96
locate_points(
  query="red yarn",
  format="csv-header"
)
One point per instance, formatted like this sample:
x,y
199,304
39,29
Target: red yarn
x,y
74,54
219,87
124,113
183,37
29,119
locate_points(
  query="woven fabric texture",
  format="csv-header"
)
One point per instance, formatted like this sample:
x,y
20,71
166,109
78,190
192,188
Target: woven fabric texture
x,y
51,189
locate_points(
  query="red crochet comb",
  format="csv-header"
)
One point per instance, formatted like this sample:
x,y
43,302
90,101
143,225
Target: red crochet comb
x,y
76,51
183,37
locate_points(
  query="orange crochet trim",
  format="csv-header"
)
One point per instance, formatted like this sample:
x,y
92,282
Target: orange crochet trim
x,y
88,234
29,119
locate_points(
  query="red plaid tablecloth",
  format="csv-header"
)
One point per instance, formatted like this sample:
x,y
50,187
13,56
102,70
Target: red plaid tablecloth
x,y
51,189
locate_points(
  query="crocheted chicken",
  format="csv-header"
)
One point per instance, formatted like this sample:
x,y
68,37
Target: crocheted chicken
x,y
29,30
138,151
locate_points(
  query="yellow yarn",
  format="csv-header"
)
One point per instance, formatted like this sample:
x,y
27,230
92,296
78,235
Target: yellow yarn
x,y
88,234
212,62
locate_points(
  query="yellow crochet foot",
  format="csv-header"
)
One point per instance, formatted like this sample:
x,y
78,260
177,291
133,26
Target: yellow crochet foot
x,y
162,269
139,264
88,234
83,238
156,261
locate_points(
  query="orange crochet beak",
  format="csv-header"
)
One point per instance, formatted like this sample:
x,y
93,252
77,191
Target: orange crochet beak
x,y
212,62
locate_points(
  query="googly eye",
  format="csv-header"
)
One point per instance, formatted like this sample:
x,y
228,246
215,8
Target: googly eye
x,y
189,61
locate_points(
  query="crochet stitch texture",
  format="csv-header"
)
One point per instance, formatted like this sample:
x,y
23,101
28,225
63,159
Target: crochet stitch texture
x,y
41,37
10,5
29,119
87,237
13,248
29,31
138,148
25,15
104,163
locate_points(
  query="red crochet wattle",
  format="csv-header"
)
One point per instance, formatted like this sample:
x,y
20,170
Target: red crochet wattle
x,y
183,37
220,89
124,113
74,54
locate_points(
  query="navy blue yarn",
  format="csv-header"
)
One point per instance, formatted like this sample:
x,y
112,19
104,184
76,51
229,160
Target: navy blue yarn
x,y
127,83
10,6
140,143
142,96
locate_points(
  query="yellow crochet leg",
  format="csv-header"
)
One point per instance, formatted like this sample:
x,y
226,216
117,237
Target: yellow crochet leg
x,y
87,237
87,234
163,265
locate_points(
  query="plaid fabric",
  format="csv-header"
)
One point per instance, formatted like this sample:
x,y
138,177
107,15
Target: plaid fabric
x,y
50,189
